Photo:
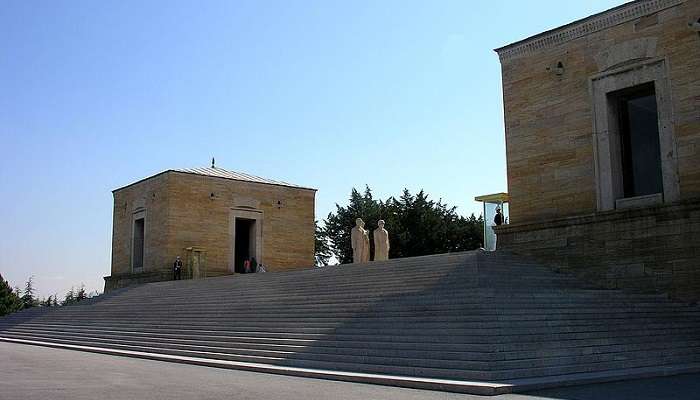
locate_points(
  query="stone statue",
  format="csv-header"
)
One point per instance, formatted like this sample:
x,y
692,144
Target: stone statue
x,y
365,248
360,242
381,242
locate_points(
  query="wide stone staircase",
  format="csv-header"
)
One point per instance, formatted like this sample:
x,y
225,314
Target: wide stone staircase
x,y
473,322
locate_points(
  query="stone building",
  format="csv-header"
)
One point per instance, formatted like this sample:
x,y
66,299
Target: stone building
x,y
602,124
213,219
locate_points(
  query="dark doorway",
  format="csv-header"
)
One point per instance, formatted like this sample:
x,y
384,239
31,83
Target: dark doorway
x,y
244,247
639,135
137,249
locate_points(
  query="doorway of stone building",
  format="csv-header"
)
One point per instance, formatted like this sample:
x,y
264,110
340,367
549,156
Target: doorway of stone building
x,y
245,232
244,246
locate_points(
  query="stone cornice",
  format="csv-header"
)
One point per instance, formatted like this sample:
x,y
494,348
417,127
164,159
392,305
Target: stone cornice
x,y
594,23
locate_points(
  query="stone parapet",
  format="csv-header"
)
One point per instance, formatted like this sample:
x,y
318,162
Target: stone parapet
x,y
123,280
650,249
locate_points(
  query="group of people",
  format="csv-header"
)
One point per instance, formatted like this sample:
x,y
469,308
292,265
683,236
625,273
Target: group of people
x,y
249,266
360,242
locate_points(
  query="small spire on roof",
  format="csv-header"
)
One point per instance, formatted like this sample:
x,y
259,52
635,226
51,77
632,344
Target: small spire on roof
x,y
212,163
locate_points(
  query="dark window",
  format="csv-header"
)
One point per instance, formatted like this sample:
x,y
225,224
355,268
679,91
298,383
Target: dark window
x,y
138,243
639,135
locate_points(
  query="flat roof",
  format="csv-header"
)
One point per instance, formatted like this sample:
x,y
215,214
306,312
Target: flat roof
x,y
493,198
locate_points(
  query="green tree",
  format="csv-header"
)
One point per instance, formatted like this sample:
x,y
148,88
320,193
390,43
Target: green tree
x,y
28,299
9,300
69,298
417,225
322,250
81,294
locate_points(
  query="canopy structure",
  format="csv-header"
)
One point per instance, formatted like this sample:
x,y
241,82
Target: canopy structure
x,y
491,203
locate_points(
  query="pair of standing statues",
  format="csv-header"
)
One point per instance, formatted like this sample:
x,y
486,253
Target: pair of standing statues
x,y
360,242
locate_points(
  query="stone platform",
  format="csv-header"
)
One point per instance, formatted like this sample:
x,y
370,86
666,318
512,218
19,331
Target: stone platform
x,y
474,322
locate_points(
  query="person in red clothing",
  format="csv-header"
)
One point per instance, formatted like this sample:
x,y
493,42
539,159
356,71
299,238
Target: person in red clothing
x,y
246,266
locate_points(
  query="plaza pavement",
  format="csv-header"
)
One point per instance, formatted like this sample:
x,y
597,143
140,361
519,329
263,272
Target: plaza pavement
x,y
33,372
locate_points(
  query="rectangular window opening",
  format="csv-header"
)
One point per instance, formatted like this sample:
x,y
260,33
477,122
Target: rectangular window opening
x,y
137,249
639,140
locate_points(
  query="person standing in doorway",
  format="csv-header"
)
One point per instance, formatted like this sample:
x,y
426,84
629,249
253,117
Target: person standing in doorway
x,y
498,219
177,269
253,265
246,266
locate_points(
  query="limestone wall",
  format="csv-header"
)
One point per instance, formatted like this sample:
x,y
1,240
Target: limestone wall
x,y
198,219
549,111
652,249
150,195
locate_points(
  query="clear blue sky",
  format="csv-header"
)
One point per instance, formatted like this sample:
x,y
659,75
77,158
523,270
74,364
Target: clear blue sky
x,y
328,94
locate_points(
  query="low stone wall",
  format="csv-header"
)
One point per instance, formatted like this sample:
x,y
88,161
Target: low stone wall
x,y
652,249
124,280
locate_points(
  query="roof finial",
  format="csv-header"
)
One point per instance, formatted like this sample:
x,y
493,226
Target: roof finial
x,y
212,163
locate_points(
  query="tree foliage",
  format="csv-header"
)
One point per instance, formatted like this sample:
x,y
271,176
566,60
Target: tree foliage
x,y
28,298
74,296
69,298
50,301
417,225
322,251
10,300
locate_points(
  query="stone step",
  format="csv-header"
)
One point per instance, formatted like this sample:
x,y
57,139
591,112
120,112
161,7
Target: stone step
x,y
688,356
352,288
434,370
362,316
417,350
398,323
474,319
427,360
475,294
486,293
363,341
404,334
433,304
466,315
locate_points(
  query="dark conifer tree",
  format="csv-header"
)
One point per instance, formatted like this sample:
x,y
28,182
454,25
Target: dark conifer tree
x,y
69,298
322,249
28,299
9,300
81,294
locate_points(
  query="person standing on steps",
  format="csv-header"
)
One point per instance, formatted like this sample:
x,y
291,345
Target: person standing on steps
x,y
253,265
246,266
177,269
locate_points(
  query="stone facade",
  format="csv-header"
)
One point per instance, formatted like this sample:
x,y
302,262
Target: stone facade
x,y
188,213
566,204
647,249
